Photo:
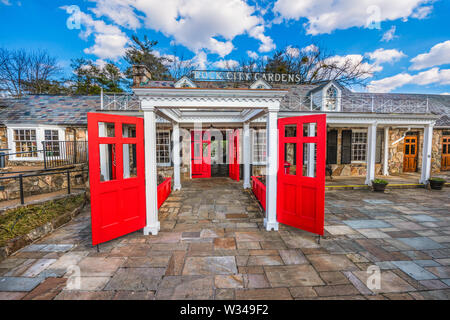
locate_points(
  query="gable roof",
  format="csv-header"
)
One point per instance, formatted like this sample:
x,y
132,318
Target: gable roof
x,y
46,109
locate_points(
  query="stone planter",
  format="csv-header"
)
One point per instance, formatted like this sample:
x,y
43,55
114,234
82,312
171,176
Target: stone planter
x,y
379,187
436,184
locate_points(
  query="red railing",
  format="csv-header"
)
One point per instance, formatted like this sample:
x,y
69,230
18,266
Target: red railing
x,y
259,189
164,190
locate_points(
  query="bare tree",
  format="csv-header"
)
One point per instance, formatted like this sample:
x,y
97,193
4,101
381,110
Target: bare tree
x,y
23,72
41,69
178,65
312,65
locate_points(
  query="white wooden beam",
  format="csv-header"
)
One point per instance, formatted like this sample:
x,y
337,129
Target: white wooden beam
x,y
386,152
151,194
270,221
370,156
426,155
176,156
246,153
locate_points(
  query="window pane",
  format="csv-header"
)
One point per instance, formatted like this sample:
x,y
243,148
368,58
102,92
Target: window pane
x,y
309,130
163,147
107,162
359,146
129,161
290,131
309,160
129,130
106,129
290,155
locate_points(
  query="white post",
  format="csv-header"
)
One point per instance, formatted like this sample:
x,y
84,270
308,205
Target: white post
x,y
246,154
386,152
176,156
270,221
426,156
126,155
371,149
151,194
104,153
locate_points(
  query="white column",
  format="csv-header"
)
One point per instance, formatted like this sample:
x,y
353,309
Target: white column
x,y
176,156
151,194
371,149
246,153
270,221
426,155
386,152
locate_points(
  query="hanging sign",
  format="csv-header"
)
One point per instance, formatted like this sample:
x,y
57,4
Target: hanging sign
x,y
239,76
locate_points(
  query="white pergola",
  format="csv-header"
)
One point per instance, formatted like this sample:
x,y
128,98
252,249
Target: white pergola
x,y
239,107
186,106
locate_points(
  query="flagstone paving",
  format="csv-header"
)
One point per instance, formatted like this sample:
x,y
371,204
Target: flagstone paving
x,y
212,245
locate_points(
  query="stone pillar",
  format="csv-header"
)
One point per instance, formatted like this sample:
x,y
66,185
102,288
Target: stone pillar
x,y
371,149
151,194
386,152
270,221
246,153
426,155
176,157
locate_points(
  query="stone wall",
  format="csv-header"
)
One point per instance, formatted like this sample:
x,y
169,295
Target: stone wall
x,y
9,188
3,138
436,150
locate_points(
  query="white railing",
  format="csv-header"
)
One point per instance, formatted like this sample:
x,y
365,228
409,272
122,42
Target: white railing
x,y
385,103
119,101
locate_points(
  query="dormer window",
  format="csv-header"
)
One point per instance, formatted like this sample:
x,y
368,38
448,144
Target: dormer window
x,y
260,84
331,99
185,82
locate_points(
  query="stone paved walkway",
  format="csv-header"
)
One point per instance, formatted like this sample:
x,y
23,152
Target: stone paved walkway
x,y
212,245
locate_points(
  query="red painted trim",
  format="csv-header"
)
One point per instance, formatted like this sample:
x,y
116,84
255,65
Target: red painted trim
x,y
259,189
164,190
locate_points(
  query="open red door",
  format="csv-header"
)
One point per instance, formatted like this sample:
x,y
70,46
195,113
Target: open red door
x,y
233,144
201,154
116,175
301,173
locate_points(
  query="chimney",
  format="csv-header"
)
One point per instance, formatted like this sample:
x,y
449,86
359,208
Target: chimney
x,y
141,75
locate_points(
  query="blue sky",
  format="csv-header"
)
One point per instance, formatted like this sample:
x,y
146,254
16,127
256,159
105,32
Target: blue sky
x,y
405,42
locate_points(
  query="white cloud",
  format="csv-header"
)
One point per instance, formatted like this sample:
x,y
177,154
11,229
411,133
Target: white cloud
x,y
385,56
226,64
389,35
198,25
445,94
293,52
6,2
200,61
432,76
354,61
110,41
325,16
438,55
252,54
310,48
422,12
266,42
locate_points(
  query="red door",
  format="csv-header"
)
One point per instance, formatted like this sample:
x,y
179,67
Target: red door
x,y
301,181
233,144
116,175
201,154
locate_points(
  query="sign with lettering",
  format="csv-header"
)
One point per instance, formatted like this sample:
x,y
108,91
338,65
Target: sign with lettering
x,y
238,76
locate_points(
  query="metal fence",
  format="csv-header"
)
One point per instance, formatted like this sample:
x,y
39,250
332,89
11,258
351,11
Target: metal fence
x,y
22,175
63,153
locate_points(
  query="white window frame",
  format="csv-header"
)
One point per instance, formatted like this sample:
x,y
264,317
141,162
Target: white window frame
x,y
338,98
40,136
164,164
365,143
255,144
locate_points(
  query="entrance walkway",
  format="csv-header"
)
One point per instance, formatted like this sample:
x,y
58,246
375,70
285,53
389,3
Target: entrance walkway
x,y
212,245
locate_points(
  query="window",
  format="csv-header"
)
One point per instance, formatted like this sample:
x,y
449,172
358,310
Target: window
x,y
163,148
25,141
359,146
331,99
259,146
51,143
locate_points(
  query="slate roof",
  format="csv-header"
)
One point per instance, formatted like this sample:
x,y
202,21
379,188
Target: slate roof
x,y
46,109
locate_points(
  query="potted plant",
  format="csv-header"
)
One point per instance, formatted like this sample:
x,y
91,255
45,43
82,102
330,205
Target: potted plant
x,y
379,185
436,183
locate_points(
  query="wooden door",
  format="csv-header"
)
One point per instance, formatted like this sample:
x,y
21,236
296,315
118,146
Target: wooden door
x,y
116,175
301,189
445,165
410,154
